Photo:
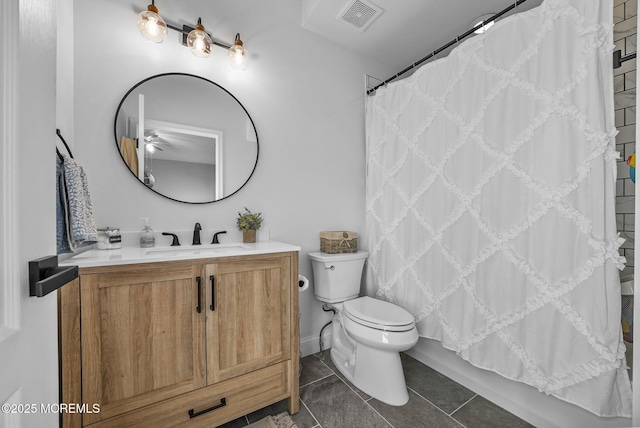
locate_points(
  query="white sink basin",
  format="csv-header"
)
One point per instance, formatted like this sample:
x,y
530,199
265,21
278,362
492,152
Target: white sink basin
x,y
196,250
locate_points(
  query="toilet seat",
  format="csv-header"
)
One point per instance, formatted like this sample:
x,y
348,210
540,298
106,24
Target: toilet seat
x,y
378,314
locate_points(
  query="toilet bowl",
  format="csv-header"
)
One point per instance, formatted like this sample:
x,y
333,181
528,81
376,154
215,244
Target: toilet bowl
x,y
379,324
367,334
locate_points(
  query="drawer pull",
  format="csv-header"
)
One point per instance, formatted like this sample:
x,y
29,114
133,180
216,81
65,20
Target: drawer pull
x,y
193,414
199,307
213,293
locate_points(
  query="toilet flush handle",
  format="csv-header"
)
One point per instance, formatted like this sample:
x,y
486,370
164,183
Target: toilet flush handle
x,y
332,267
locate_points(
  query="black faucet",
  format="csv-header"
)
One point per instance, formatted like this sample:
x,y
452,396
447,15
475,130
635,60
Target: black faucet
x,y
215,237
196,234
175,242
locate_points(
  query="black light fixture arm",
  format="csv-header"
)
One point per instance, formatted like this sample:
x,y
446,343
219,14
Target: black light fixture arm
x,y
185,30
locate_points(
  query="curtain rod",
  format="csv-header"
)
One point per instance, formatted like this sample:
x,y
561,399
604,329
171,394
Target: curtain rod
x,y
451,43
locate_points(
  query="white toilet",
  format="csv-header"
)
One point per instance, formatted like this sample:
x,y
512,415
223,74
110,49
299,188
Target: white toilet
x,y
367,334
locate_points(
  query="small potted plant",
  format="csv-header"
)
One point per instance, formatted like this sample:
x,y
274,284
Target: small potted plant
x,y
248,223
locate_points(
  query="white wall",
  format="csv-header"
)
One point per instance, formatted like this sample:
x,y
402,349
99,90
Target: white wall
x,y
186,181
305,95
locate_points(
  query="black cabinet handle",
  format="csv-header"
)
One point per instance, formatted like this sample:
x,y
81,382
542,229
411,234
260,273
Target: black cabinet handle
x,y
199,307
193,414
213,293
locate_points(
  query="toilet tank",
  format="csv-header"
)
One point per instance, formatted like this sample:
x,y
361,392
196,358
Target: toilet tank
x,y
336,277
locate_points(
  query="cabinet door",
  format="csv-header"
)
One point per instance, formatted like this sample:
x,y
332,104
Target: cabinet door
x,y
142,336
248,326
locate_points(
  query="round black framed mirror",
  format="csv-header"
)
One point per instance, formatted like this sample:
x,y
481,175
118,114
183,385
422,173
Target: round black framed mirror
x,y
186,138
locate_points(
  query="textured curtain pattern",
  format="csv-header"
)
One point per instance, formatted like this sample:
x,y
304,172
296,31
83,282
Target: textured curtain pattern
x,y
490,203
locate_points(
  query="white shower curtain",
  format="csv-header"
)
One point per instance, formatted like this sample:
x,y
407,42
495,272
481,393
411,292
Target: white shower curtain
x,y
490,203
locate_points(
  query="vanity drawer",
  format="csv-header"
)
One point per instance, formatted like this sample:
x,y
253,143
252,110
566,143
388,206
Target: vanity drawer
x,y
241,395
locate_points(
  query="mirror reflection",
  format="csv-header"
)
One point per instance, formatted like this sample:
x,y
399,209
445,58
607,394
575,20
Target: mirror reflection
x,y
186,138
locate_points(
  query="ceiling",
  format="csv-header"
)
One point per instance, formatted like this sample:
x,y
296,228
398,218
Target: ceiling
x,y
181,146
406,30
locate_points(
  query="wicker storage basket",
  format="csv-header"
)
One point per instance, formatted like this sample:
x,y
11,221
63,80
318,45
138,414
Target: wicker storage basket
x,y
338,242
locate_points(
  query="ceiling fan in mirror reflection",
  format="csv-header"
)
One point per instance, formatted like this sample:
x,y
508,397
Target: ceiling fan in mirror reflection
x,y
154,28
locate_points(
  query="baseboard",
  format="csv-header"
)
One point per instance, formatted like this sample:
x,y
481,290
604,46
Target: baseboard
x,y
311,345
524,401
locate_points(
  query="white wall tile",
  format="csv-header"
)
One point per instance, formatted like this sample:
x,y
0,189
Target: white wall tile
x,y
618,14
629,148
629,187
625,205
620,117
630,44
625,99
619,187
629,115
623,170
629,222
624,29
630,8
626,134
629,80
629,240
618,83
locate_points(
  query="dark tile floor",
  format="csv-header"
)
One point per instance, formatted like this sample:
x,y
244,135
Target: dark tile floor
x,y
327,400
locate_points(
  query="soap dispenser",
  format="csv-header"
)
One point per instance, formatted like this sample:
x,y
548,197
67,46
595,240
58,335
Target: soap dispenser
x,y
147,237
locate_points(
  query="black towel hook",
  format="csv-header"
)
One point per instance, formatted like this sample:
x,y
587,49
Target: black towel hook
x,y
65,145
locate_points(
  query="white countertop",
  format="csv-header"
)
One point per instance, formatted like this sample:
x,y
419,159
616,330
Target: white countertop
x,y
133,255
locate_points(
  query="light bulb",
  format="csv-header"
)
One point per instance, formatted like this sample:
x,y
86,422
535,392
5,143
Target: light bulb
x,y
150,148
151,25
238,54
199,42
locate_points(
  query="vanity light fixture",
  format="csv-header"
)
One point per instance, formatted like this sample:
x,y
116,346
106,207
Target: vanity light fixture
x,y
239,55
154,28
199,41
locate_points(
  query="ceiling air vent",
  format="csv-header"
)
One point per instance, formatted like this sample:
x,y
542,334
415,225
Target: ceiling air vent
x,y
360,14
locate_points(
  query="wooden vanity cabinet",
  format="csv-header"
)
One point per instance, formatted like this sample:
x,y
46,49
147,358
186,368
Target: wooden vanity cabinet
x,y
184,343
249,323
